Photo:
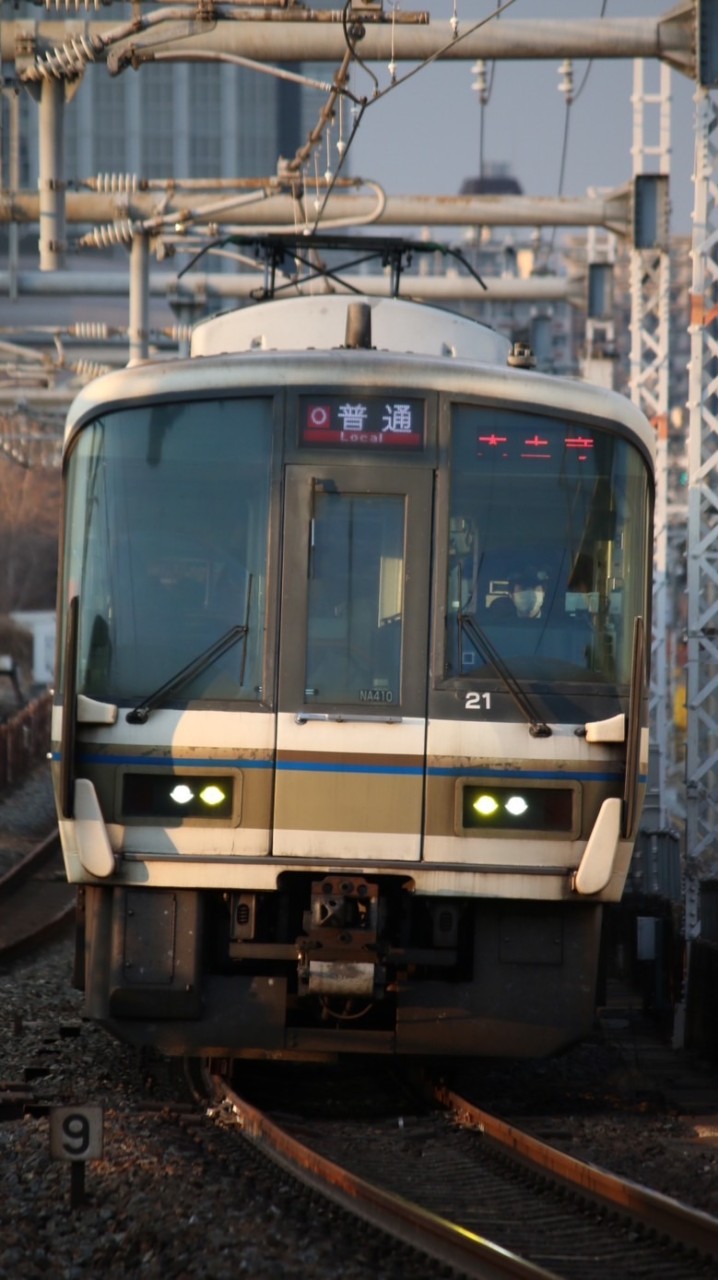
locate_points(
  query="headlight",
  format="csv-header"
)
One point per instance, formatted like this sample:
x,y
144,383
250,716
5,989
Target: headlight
x,y
164,795
508,807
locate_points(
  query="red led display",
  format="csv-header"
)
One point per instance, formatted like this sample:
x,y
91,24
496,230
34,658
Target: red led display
x,y
533,448
365,422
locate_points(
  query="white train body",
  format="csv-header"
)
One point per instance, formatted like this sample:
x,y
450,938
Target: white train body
x,y
349,738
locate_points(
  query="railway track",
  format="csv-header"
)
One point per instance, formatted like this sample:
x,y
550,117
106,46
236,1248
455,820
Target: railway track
x,y
480,1196
36,902
444,1242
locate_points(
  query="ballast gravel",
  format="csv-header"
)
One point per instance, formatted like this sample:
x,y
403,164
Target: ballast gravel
x,y
159,1204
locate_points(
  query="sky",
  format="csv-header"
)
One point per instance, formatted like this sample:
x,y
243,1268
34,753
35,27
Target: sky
x,y
423,137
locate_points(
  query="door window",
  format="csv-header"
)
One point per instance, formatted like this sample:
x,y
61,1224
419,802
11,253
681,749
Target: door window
x,y
355,604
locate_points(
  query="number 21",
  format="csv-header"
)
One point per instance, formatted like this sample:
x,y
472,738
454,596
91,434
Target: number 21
x,y
477,702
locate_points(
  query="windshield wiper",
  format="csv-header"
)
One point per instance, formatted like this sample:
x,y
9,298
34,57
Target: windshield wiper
x,y
140,713
478,637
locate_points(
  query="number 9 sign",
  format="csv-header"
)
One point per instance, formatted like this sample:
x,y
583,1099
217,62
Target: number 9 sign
x,y
76,1133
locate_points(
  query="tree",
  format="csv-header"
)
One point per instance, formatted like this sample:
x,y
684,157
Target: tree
x,y
29,528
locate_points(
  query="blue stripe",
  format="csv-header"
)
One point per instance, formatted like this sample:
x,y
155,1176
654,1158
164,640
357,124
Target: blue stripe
x,y
310,766
542,775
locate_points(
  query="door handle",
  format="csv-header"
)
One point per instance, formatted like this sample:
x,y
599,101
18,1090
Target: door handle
x,y
338,717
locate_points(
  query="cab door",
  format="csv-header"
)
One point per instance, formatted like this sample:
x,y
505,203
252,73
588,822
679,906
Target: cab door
x,y
354,627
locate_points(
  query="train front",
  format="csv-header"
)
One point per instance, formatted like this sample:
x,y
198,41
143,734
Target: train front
x,y
349,739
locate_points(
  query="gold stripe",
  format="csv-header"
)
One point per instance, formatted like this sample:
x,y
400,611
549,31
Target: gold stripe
x,y
360,758
350,802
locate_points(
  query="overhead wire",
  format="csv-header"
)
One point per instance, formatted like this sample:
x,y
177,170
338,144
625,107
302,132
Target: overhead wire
x,y
570,100
589,64
485,93
337,90
450,44
361,104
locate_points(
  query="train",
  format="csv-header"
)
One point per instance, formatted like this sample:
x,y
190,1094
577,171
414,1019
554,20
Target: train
x,y
349,736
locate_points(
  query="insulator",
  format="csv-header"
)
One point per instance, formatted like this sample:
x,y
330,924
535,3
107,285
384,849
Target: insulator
x,y
112,183
91,330
566,84
480,83
67,60
75,4
106,237
89,369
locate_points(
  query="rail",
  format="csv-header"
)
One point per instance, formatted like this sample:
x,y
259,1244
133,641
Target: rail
x,y
24,741
449,1244
568,1217
691,1228
36,903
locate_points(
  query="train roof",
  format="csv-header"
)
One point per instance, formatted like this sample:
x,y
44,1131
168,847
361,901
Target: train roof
x,y
426,348
319,323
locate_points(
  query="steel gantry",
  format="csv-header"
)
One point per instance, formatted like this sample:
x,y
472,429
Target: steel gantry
x,y
649,369
50,56
702,567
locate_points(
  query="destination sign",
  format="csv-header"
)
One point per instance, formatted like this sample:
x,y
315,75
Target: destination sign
x,y
516,444
365,422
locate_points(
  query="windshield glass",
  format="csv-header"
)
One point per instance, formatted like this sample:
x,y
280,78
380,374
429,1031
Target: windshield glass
x,y
166,546
548,546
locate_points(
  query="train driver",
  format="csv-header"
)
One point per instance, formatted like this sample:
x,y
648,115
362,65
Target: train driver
x,y
528,593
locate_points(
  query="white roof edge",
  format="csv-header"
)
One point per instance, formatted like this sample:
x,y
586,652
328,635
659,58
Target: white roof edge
x,y
319,323
464,376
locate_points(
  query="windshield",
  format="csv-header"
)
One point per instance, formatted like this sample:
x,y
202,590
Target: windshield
x,y
548,546
166,546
